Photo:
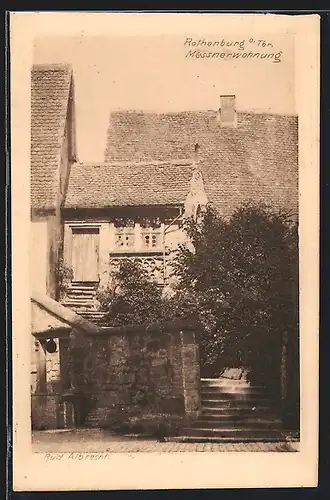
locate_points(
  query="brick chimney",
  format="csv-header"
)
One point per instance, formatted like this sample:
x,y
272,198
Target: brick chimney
x,y
227,111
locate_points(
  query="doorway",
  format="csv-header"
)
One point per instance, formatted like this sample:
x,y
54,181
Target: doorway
x,y
85,254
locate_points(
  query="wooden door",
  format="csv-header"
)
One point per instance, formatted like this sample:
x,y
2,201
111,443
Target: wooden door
x,y
85,254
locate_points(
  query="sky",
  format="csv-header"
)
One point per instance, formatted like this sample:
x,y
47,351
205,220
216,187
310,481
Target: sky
x,y
152,73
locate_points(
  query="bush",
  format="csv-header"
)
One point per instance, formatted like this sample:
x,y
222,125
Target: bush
x,y
132,297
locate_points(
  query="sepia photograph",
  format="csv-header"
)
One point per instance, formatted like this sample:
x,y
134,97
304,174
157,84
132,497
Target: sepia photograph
x,y
165,251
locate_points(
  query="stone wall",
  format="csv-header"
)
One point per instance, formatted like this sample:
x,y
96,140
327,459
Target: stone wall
x,y
125,374
47,411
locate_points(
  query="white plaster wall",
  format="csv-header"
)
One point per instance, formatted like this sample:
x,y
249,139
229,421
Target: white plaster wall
x,y
38,256
174,236
106,237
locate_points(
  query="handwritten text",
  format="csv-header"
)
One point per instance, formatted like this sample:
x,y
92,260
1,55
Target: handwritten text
x,y
250,48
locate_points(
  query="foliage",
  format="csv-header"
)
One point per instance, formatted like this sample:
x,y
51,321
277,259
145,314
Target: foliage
x,y
131,297
64,275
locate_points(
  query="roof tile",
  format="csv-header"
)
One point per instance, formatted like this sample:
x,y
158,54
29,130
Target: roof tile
x,y
50,85
256,161
129,184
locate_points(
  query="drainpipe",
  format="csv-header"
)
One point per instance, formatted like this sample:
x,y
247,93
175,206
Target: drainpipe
x,y
164,250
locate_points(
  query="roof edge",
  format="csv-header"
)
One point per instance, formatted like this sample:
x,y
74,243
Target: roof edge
x,y
116,207
201,111
176,325
63,313
51,66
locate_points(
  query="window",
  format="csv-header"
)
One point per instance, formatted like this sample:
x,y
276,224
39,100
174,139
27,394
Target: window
x,y
124,238
124,234
151,235
142,235
151,241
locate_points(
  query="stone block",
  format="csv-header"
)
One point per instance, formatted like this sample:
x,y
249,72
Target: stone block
x,y
172,405
192,402
126,378
191,378
46,411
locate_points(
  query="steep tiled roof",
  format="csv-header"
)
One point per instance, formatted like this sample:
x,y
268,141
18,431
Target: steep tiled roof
x,y
128,184
256,161
50,85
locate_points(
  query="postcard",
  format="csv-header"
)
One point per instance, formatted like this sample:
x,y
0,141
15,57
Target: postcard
x,y
165,222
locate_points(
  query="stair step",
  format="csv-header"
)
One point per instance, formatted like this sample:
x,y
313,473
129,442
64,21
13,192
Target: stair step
x,y
235,424
94,313
235,399
222,379
234,385
78,295
94,319
71,296
79,298
83,285
225,383
71,303
235,408
232,432
229,439
81,306
214,408
233,390
238,415
233,396
225,409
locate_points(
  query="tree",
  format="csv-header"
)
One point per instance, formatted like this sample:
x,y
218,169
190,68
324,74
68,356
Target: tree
x,y
241,278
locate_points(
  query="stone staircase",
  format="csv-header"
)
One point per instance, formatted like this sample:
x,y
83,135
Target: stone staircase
x,y
234,411
81,298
